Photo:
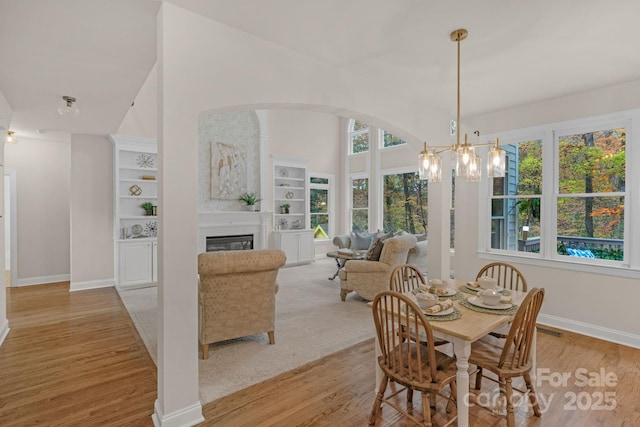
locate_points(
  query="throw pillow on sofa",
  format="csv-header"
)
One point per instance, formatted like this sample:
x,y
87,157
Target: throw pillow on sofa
x,y
361,241
376,247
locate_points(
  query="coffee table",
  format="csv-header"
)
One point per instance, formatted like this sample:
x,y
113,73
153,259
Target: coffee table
x,y
341,259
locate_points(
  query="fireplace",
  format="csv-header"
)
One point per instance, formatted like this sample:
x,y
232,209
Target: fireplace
x,y
242,242
233,224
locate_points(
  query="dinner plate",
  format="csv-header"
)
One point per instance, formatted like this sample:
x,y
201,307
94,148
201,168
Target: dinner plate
x,y
478,302
440,313
450,292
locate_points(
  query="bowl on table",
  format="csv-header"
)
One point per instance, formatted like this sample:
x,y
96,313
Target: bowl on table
x,y
437,283
426,300
486,282
490,296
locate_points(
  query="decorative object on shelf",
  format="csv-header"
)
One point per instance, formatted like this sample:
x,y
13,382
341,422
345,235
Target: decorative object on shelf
x,y
283,172
468,164
148,177
289,195
296,225
151,229
145,161
154,210
136,230
135,190
284,209
283,223
250,200
148,208
284,185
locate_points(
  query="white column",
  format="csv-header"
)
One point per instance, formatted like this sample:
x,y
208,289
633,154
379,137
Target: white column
x,y
177,403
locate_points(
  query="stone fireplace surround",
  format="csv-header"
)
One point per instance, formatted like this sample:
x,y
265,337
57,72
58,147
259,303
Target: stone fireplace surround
x,y
233,223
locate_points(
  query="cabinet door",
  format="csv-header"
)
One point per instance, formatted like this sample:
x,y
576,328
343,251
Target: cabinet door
x,y
135,263
307,246
290,244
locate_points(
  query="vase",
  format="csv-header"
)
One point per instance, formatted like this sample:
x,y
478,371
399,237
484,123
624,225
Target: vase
x,y
250,208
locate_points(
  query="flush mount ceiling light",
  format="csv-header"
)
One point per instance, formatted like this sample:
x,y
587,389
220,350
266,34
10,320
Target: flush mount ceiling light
x,y
468,164
67,107
11,139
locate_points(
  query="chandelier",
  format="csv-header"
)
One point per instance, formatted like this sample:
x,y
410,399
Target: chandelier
x,y
468,163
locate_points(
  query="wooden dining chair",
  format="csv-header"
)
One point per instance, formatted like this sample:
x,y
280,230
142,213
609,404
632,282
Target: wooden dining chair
x,y
409,364
405,278
509,277
511,357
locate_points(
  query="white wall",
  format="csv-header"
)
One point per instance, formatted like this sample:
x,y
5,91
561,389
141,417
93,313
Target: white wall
x,y
5,118
42,178
91,199
142,118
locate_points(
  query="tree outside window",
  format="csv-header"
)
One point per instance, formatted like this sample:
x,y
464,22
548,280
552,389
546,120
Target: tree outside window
x,y
389,140
319,207
405,203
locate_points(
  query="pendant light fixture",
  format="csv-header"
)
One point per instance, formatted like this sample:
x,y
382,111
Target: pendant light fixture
x,y
67,107
468,164
11,139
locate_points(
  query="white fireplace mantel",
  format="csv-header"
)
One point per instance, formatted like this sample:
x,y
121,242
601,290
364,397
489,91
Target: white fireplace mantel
x,y
233,223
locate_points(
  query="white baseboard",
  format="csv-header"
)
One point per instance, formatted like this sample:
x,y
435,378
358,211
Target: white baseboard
x,y
42,280
590,330
185,417
4,330
92,284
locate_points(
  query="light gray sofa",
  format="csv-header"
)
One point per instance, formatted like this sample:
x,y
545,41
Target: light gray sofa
x,y
417,255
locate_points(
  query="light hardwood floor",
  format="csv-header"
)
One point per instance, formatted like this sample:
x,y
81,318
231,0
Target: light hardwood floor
x,y
75,359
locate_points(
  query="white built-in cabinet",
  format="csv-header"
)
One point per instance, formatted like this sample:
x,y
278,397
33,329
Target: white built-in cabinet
x,y
291,224
135,230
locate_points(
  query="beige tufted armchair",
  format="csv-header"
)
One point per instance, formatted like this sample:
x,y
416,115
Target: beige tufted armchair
x,y
368,278
237,294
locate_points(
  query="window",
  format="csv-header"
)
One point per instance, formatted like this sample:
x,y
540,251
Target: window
x,y
359,204
404,203
516,199
572,206
591,193
389,140
358,137
320,205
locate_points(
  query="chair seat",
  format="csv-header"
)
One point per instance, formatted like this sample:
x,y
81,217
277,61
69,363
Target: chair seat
x,y
445,374
486,353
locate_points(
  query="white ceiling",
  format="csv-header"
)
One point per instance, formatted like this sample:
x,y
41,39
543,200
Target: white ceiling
x,y
517,52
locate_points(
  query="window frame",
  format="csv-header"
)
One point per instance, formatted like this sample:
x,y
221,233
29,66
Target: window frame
x,y
330,201
548,256
380,190
381,146
351,178
351,133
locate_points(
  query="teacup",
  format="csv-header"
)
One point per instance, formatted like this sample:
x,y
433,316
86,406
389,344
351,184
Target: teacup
x,y
486,282
426,300
437,283
490,296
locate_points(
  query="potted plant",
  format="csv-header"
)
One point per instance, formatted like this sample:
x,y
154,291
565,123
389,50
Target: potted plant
x,y
148,208
250,200
284,209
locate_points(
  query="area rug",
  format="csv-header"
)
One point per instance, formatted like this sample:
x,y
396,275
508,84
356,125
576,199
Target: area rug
x,y
311,322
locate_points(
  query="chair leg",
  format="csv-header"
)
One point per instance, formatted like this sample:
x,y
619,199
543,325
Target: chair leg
x,y
454,394
378,402
205,351
343,294
511,420
532,395
479,378
426,409
409,396
272,338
